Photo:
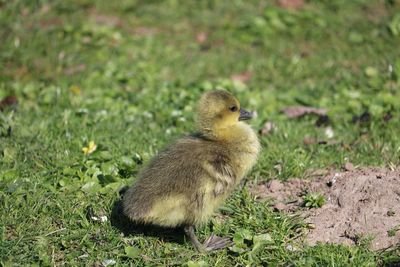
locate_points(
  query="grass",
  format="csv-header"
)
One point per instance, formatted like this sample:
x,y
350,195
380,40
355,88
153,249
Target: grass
x,y
313,200
126,75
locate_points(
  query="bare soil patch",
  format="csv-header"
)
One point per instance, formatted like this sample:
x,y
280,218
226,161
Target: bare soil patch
x,y
360,203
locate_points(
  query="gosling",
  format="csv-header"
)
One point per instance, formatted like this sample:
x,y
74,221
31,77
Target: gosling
x,y
184,184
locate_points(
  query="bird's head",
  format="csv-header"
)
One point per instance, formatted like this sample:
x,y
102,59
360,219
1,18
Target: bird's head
x,y
219,112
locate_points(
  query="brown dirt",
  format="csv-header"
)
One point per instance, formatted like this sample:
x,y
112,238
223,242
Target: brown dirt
x,y
360,203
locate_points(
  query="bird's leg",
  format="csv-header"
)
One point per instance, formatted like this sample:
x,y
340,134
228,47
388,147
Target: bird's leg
x,y
189,231
212,243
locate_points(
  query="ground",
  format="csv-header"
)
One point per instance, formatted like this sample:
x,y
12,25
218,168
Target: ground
x,y
358,205
126,75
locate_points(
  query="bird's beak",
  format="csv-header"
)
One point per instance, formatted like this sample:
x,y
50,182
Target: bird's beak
x,y
245,115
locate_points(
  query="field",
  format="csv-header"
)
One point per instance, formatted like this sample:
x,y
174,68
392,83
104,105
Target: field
x,y
127,74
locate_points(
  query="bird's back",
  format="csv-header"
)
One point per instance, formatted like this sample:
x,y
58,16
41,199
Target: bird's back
x,y
174,175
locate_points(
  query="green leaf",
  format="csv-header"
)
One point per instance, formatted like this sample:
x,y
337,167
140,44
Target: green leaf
x,y
238,249
69,171
355,37
313,200
10,175
9,154
115,187
127,162
260,241
91,187
109,168
197,264
132,252
62,182
394,25
371,71
104,155
262,238
241,235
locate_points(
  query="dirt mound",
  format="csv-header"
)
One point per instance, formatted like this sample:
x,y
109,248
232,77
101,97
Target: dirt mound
x,y
360,203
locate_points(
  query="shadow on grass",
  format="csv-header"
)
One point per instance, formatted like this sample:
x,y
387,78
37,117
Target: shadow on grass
x,y
129,228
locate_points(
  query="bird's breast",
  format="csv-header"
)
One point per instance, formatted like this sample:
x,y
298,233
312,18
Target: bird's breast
x,y
245,153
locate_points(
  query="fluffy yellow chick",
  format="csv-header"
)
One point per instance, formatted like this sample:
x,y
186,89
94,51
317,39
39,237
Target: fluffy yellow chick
x,y
184,184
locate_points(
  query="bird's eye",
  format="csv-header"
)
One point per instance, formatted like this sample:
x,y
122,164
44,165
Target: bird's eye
x,y
233,108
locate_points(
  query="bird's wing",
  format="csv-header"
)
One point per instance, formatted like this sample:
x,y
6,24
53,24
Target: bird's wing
x,y
219,168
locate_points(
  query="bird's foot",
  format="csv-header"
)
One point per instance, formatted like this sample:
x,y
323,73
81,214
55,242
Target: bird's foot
x,y
214,242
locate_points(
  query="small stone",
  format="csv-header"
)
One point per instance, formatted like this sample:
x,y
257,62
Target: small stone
x,y
108,262
348,166
278,167
291,248
94,218
310,226
309,140
329,132
83,256
103,218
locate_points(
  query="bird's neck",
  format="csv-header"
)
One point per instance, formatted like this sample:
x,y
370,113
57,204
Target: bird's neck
x,y
240,132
